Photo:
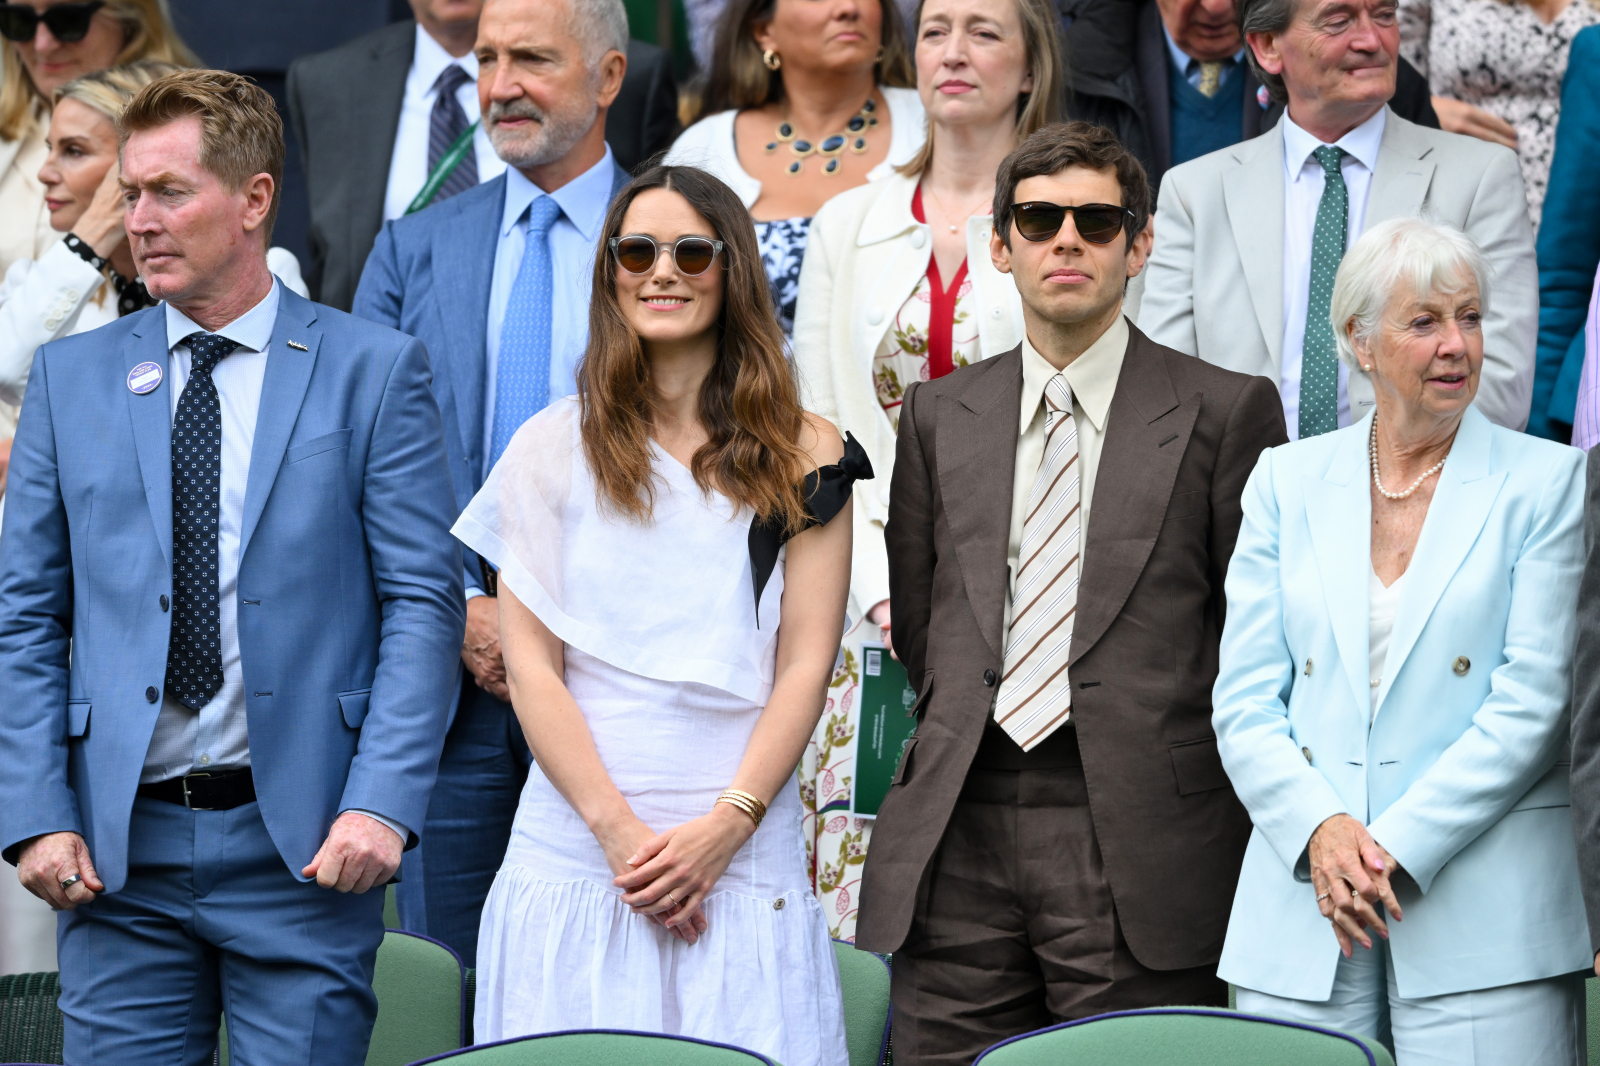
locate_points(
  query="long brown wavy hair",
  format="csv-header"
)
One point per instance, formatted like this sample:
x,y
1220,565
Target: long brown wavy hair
x,y
749,402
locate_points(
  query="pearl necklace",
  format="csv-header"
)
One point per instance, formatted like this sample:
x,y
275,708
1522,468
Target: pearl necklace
x,y
1372,450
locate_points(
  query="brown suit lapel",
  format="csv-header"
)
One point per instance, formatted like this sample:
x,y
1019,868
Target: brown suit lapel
x,y
1147,432
976,453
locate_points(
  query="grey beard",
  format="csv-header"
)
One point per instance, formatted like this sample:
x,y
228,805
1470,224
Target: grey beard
x,y
554,137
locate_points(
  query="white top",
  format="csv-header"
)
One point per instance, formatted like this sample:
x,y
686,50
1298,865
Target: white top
x,y
709,144
631,585
1302,193
408,166
1380,624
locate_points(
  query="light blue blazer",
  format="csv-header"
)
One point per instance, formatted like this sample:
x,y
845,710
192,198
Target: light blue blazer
x,y
350,601
1462,774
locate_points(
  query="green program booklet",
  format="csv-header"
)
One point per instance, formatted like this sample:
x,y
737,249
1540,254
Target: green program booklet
x,y
886,726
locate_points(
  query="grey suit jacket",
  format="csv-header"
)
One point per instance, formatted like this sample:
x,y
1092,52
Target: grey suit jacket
x,y
1214,285
1586,709
344,105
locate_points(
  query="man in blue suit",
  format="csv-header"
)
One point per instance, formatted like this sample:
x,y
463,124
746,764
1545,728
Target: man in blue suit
x,y
495,281
229,615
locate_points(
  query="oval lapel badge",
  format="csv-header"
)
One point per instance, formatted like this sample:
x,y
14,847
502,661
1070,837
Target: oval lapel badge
x,y
144,378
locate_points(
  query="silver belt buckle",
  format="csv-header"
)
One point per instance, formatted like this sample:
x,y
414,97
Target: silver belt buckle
x,y
187,802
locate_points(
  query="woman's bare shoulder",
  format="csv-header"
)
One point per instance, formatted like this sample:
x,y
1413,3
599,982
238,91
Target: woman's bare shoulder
x,y
820,440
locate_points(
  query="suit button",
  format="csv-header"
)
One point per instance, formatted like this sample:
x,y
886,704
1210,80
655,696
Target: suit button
x,y
1461,665
150,694
1307,753
988,678
1308,667
918,238
165,603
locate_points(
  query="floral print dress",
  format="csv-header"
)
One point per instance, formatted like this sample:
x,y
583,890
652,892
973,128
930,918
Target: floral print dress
x,y
783,246
934,332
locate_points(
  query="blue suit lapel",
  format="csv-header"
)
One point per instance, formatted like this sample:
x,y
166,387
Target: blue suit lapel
x,y
463,273
1461,504
619,178
1339,510
283,390
151,415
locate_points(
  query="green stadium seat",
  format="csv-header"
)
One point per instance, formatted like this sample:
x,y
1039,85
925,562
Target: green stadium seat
x,y
601,1047
864,977
1194,1036
30,1020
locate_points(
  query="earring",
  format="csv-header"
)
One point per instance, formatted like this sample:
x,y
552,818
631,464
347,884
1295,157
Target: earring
x,y
880,56
771,60
1368,369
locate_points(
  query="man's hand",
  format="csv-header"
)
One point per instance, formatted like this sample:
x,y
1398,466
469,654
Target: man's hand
x,y
879,616
5,462
48,860
360,852
1350,872
480,649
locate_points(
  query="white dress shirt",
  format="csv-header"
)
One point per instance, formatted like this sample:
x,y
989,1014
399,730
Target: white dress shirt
x,y
408,166
217,737
1188,65
1303,180
584,201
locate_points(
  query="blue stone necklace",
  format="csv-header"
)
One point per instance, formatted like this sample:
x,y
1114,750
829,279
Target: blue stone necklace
x,y
831,148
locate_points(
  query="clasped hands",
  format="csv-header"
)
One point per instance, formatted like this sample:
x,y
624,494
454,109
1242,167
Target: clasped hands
x,y
667,876
1351,873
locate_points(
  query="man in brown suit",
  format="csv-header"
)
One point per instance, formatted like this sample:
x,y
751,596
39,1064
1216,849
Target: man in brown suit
x,y
1061,839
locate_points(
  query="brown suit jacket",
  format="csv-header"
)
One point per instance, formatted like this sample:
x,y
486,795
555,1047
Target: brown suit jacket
x,y
1181,439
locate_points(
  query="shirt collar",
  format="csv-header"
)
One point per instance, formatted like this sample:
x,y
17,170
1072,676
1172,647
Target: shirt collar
x,y
1362,143
1182,59
1092,376
583,200
252,331
429,59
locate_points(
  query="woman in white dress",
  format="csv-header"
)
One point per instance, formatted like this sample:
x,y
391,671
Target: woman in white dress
x,y
673,547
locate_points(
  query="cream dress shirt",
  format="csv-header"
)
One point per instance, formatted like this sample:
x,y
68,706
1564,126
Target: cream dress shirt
x,y
1093,379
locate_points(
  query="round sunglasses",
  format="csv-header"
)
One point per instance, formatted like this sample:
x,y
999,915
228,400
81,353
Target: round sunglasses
x,y
692,256
1039,220
67,22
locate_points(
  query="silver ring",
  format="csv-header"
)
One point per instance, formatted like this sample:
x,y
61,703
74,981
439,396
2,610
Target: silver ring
x,y
69,882
1324,896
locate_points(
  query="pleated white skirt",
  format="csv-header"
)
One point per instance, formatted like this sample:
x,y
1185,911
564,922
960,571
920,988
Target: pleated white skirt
x,y
559,950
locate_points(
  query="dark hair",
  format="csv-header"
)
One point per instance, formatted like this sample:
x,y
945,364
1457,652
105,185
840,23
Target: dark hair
x,y
1265,16
749,402
1072,144
241,134
738,78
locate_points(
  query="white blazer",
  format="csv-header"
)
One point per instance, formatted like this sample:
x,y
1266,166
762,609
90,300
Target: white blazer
x,y
709,145
865,255
1462,772
1214,286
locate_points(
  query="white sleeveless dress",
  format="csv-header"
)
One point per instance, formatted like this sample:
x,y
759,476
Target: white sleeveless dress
x,y
666,660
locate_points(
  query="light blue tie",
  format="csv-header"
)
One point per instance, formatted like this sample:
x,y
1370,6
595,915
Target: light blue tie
x,y
522,375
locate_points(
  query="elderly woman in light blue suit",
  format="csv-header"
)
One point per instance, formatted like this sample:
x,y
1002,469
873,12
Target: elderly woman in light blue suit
x,y
1392,702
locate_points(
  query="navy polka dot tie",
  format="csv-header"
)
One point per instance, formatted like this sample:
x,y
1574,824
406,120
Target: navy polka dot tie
x,y
194,655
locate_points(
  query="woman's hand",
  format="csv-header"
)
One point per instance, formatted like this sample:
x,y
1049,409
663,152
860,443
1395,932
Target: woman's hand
x,y
879,616
1456,116
1350,872
675,872
101,226
621,843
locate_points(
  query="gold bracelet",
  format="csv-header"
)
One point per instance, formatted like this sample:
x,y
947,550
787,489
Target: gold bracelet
x,y
745,802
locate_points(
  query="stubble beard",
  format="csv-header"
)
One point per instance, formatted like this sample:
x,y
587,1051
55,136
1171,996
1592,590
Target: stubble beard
x,y
553,135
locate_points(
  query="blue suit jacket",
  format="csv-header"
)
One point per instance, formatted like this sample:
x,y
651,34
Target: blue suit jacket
x,y
350,601
1462,774
429,275
1569,240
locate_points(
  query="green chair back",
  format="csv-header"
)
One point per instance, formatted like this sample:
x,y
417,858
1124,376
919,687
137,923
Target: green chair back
x,y
1592,988
421,1002
1194,1036
602,1047
864,977
30,1020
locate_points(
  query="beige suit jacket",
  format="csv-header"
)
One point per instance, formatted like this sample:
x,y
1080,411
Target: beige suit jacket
x,y
1214,286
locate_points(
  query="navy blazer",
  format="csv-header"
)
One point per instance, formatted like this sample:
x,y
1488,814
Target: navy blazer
x,y
429,275
350,602
1569,243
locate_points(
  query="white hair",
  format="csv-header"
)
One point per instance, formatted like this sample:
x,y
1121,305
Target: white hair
x,y
1392,255
602,25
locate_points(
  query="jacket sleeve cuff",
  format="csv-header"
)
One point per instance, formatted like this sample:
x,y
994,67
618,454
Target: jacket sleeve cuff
x,y
1414,855
388,823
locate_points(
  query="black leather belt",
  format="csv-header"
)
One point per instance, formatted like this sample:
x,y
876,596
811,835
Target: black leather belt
x,y
218,790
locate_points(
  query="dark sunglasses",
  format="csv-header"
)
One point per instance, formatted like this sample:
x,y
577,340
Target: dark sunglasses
x,y
692,256
1038,220
67,22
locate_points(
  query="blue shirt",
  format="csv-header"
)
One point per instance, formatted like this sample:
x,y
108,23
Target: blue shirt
x,y
1187,65
584,201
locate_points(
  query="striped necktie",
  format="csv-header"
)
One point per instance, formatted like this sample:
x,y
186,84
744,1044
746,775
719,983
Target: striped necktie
x,y
446,123
1035,697
1319,354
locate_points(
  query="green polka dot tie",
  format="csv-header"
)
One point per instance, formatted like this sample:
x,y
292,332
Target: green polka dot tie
x,y
1319,362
